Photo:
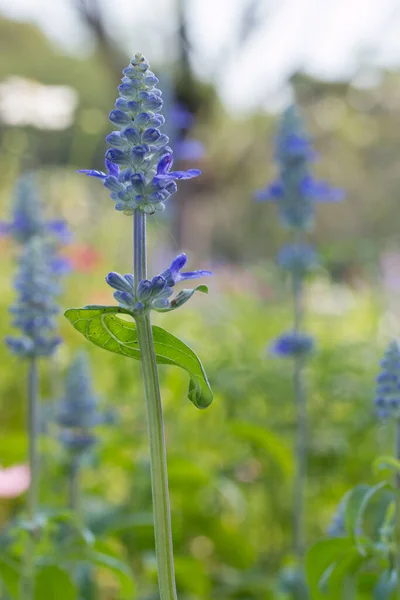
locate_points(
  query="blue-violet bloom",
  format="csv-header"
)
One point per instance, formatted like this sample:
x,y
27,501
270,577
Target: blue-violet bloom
x,y
138,162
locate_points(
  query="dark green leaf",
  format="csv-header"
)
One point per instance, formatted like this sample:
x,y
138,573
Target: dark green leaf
x,y
102,327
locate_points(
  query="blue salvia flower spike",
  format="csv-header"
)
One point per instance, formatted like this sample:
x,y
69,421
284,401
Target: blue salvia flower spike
x,y
387,396
296,192
138,164
140,179
35,309
28,218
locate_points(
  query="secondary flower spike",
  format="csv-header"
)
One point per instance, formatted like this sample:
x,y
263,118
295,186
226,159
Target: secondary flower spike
x,y
139,161
78,413
35,309
28,218
295,191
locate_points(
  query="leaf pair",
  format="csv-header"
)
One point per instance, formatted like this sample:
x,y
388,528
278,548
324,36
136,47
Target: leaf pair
x,y
101,326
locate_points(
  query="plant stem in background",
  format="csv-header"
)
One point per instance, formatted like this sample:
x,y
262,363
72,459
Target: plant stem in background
x,y
74,486
28,583
158,459
301,429
397,512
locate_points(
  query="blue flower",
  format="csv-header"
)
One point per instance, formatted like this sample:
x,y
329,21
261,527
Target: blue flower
x,y
292,344
139,160
35,310
387,396
173,274
155,293
295,190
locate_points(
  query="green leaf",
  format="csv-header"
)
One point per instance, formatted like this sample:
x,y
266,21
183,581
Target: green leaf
x,y
353,502
321,562
10,575
53,582
182,297
102,327
386,462
119,569
358,525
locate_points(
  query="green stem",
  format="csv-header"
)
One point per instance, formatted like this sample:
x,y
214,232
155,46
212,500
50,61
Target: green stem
x,y
158,459
28,580
397,512
301,430
74,486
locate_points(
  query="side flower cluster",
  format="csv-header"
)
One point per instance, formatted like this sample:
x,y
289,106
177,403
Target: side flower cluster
x,y
154,294
35,310
78,414
387,397
139,160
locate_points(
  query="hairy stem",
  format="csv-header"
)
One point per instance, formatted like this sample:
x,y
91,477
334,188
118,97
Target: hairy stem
x,y
301,429
158,459
397,512
28,579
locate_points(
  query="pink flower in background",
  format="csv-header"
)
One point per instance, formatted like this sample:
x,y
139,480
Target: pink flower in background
x,y
14,481
83,258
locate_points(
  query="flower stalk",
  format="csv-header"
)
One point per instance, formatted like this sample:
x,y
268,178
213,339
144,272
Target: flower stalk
x,y
139,177
295,191
158,456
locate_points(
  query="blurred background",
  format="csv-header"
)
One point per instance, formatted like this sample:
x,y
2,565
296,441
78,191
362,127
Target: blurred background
x,y
227,68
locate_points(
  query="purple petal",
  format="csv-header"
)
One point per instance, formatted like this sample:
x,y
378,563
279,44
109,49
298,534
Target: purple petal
x,y
165,164
178,263
179,175
272,192
193,275
60,228
92,173
321,191
112,168
61,265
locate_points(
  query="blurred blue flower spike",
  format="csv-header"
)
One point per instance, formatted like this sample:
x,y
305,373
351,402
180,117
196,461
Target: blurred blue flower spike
x,y
387,396
295,191
78,415
28,218
35,310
